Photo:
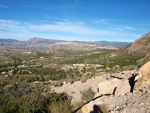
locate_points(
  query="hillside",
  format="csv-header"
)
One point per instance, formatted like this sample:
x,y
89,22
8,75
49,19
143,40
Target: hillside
x,y
79,46
141,45
140,48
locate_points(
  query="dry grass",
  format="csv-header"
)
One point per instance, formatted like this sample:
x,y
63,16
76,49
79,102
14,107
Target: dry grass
x,y
87,95
76,105
60,107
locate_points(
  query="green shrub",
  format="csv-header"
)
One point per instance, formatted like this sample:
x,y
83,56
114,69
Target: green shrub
x,y
31,79
19,98
83,70
56,85
70,71
22,98
77,72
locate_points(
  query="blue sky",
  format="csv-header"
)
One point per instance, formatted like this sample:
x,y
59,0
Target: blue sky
x,y
75,20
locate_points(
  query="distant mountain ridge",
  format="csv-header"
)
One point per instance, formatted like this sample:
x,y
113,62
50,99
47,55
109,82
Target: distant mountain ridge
x,y
38,41
32,42
116,44
7,40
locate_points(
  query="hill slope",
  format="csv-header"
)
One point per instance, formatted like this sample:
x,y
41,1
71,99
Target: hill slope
x,y
140,47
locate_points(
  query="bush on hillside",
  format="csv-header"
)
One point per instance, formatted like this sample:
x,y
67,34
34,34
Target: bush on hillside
x,y
87,95
24,98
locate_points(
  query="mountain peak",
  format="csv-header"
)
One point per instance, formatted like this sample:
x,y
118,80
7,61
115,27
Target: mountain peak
x,y
35,39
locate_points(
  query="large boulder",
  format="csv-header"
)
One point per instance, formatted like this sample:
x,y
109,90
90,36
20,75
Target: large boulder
x,y
143,77
123,88
87,108
108,87
113,86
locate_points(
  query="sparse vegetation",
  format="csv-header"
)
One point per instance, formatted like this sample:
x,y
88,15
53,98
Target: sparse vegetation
x,y
23,97
60,107
87,95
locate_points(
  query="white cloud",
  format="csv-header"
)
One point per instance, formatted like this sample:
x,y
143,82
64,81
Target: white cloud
x,y
66,27
70,28
135,35
99,21
2,6
127,27
60,30
109,23
10,25
18,35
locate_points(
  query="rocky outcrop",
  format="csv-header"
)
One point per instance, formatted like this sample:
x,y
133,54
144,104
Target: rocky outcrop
x,y
143,77
108,87
77,87
117,80
137,102
124,101
115,86
123,88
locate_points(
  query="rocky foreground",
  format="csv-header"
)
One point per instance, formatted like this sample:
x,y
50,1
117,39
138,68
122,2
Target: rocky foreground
x,y
75,89
122,92
136,102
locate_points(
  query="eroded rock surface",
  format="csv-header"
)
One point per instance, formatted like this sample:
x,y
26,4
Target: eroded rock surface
x,y
143,77
77,87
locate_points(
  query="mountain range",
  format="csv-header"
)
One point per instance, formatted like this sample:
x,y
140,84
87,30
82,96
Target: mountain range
x,y
7,40
38,41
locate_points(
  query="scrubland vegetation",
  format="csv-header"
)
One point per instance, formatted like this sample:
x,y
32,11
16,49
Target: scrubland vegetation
x,y
26,78
25,98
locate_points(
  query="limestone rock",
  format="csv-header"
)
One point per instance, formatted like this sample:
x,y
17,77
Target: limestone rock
x,y
123,88
143,77
77,87
108,87
87,108
92,105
